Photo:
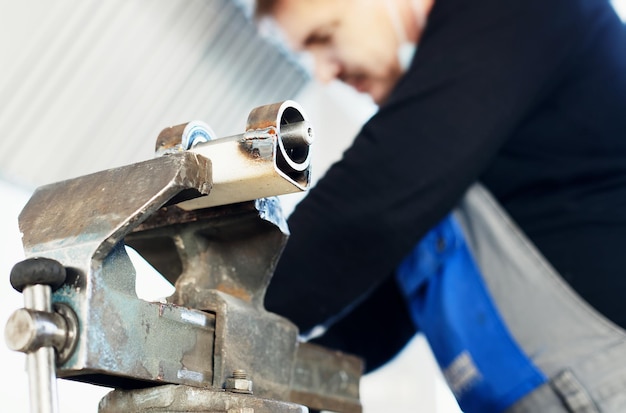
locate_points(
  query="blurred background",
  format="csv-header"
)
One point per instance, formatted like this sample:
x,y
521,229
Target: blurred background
x,y
88,85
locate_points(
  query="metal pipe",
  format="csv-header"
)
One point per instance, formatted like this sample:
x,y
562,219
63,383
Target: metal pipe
x,y
272,157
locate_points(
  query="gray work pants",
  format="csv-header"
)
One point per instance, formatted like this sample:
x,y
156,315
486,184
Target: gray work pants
x,y
580,351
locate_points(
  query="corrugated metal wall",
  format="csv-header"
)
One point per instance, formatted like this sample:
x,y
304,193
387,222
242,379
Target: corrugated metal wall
x,y
87,85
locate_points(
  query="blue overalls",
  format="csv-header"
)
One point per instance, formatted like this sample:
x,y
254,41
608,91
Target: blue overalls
x,y
449,302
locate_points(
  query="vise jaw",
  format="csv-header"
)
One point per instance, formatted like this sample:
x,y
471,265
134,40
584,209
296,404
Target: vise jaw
x,y
203,214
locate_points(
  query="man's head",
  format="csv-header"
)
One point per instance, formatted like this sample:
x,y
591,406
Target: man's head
x,y
356,41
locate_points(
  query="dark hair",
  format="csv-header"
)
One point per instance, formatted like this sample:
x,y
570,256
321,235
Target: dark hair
x,y
264,7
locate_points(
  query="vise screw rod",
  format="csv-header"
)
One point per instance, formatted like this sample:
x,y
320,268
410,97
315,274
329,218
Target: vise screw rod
x,y
40,363
33,330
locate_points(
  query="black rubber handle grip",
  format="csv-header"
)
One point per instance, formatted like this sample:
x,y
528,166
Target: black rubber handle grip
x,y
34,271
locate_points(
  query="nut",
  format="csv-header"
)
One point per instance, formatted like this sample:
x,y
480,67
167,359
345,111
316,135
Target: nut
x,y
239,385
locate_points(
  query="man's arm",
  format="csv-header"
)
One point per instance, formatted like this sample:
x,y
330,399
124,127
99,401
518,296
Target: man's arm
x,y
376,329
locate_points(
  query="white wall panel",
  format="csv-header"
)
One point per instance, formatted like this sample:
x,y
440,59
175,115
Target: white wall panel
x,y
87,85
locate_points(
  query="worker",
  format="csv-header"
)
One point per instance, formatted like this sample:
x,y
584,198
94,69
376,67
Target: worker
x,y
484,204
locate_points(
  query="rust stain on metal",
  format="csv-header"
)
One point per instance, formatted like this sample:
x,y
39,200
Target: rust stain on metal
x,y
169,138
161,308
264,116
258,147
262,124
173,215
235,291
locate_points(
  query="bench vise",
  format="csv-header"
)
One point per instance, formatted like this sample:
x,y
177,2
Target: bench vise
x,y
204,215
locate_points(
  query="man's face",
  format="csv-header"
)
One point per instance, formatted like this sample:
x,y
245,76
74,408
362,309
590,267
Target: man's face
x,y
350,40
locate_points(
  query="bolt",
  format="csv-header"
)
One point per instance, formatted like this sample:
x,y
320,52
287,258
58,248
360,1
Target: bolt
x,y
239,382
240,374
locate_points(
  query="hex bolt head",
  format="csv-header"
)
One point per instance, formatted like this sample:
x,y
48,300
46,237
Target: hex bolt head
x,y
239,383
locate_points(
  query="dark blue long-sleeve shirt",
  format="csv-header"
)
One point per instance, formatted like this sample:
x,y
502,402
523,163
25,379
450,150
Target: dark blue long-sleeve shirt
x,y
526,96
